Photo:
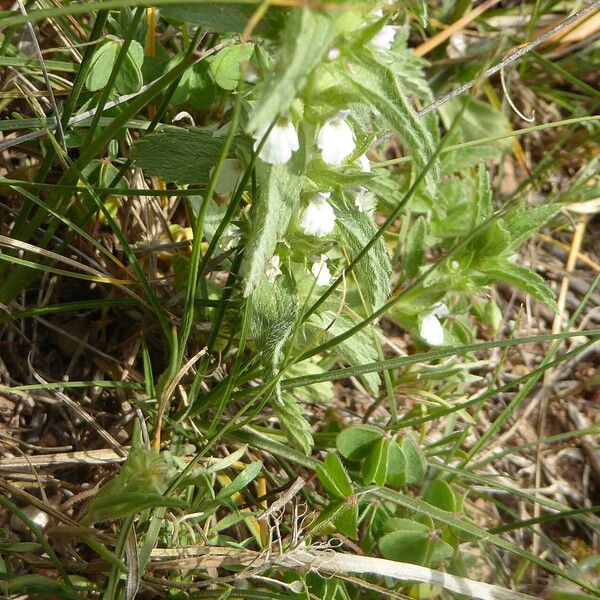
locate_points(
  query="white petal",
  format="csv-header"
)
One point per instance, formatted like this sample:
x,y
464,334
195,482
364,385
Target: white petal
x,y
336,141
318,218
431,330
321,272
332,54
384,38
278,147
364,163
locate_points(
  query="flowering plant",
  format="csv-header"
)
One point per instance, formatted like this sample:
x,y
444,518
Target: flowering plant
x,y
318,100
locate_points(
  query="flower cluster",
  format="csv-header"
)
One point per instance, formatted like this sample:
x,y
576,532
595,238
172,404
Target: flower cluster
x,y
335,140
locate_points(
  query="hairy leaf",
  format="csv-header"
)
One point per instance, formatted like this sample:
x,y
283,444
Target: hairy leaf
x,y
178,155
278,196
415,248
307,35
376,85
226,17
355,229
522,278
293,422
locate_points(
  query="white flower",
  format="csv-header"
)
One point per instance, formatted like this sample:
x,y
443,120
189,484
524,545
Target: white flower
x,y
318,218
363,163
282,141
321,271
384,38
332,54
431,330
335,139
273,268
230,176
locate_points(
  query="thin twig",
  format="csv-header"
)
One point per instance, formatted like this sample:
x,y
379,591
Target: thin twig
x,y
511,58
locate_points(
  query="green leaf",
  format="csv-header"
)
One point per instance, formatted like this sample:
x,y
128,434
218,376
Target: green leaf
x,y
396,474
316,392
525,220
346,519
334,477
440,494
491,241
357,350
522,278
129,78
305,38
225,66
479,120
272,316
419,7
342,514
101,65
376,85
242,480
355,229
137,486
355,442
492,316
413,542
119,505
408,541
278,196
484,206
178,155
416,466
293,422
375,467
226,17
415,248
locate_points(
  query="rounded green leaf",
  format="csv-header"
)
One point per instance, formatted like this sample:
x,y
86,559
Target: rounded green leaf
x,y
375,467
440,494
101,65
355,442
225,66
334,478
396,474
416,466
129,78
409,542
